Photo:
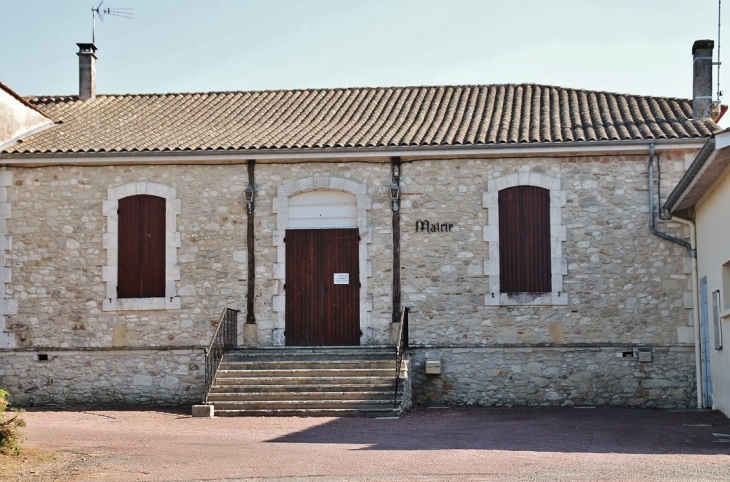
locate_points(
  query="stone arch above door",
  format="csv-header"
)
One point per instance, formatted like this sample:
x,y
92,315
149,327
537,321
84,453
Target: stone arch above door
x,y
323,209
319,182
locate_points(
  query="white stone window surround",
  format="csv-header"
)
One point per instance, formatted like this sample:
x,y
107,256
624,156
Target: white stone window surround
x,y
281,207
111,242
558,265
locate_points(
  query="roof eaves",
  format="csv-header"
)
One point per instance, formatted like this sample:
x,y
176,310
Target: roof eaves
x,y
690,177
413,151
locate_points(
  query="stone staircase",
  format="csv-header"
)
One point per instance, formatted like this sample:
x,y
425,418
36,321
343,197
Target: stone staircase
x,y
307,382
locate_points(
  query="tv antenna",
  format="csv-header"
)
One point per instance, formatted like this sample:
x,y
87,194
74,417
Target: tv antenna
x,y
719,62
100,12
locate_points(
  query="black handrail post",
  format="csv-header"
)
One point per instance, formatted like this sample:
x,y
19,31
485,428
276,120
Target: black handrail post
x,y
400,345
405,328
224,340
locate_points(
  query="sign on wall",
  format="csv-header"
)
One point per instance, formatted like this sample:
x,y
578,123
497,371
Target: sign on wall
x,y
428,227
342,278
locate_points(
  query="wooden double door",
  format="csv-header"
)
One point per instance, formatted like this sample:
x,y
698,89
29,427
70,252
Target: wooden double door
x,y
322,287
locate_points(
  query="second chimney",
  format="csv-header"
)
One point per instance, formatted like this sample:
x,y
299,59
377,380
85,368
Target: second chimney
x,y
702,79
87,71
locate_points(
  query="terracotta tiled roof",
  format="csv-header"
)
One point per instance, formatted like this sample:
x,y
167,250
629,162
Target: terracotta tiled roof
x,y
357,117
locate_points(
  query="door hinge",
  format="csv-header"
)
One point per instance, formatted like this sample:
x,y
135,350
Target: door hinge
x,y
285,239
117,211
359,285
360,331
284,285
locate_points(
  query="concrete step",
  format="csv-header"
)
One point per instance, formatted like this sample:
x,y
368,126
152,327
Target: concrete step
x,y
228,364
243,381
306,373
316,381
299,396
309,412
313,353
259,356
303,387
303,404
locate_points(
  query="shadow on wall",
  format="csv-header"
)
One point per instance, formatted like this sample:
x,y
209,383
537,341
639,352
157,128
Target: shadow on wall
x,y
575,430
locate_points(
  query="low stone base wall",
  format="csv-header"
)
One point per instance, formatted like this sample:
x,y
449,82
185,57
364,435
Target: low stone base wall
x,y
552,376
503,376
125,377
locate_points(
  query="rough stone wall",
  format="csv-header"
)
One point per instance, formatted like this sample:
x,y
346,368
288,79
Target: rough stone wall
x,y
57,225
140,377
57,256
624,285
556,376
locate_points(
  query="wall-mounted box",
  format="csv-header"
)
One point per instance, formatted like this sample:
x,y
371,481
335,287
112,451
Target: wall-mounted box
x,y
433,366
644,355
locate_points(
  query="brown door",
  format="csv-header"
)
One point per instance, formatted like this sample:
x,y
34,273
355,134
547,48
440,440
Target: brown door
x,y
322,287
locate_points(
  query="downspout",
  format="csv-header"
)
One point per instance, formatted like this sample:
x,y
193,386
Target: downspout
x,y
652,225
692,251
395,166
250,248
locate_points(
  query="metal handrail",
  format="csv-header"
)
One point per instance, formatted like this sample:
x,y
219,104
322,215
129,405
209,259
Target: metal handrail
x,y
224,340
400,345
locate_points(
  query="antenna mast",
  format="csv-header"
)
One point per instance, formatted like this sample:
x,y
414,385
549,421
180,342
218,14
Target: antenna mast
x,y
116,12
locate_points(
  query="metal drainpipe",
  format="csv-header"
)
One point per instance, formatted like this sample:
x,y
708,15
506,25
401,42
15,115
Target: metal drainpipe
x,y
691,249
652,225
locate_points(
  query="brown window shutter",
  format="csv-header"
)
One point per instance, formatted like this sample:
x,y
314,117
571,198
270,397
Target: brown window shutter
x,y
142,237
524,240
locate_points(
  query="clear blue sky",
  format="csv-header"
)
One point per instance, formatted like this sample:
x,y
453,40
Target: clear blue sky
x,y
632,46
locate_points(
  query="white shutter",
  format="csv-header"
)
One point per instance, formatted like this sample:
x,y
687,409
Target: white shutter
x,y
323,209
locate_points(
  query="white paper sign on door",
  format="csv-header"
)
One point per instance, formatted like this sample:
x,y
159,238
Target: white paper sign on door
x,y
342,278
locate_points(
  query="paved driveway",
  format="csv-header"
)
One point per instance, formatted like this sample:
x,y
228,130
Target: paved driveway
x,y
429,444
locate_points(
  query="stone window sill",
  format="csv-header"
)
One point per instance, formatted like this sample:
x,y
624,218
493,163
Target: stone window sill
x,y
725,314
526,299
142,304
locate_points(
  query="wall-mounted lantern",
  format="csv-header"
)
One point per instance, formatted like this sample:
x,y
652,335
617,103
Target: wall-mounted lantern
x,y
249,192
395,195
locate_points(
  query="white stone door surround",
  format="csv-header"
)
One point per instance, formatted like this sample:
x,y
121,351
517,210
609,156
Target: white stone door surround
x,y
286,191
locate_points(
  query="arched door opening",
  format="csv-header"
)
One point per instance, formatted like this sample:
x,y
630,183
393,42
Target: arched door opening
x,y
322,270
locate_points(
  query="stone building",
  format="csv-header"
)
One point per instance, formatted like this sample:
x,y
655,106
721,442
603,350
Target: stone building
x,y
519,239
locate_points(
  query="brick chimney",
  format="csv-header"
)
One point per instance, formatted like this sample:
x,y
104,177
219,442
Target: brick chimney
x,y
87,71
702,79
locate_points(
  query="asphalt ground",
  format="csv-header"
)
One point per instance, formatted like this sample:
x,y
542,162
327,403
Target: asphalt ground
x,y
506,444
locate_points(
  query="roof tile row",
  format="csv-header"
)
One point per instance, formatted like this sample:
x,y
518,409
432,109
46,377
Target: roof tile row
x,y
357,117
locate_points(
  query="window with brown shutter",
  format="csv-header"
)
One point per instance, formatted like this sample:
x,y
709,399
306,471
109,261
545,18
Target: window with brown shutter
x,y
141,270
524,240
